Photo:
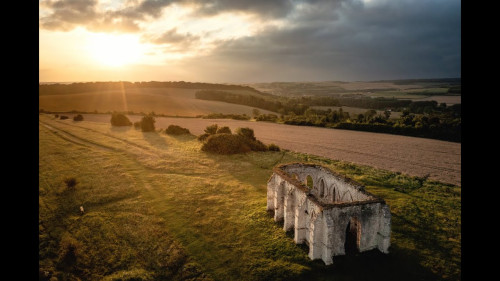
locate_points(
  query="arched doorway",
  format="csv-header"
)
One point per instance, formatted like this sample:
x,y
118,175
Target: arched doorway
x,y
352,236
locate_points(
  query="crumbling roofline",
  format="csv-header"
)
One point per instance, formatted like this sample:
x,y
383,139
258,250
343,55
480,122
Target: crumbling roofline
x,y
301,186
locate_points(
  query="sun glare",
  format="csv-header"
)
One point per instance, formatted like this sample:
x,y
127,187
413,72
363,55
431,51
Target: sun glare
x,y
115,50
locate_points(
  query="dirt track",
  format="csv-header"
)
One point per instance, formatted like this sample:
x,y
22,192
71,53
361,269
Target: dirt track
x,y
410,155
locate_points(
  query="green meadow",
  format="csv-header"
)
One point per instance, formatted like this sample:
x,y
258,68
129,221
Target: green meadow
x,y
156,207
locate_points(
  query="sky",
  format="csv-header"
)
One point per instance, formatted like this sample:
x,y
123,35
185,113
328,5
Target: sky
x,y
248,41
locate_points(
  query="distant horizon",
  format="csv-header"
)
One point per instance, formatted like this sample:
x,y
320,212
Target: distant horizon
x,y
237,83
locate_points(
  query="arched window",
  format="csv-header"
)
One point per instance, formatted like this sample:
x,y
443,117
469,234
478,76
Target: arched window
x,y
309,182
321,188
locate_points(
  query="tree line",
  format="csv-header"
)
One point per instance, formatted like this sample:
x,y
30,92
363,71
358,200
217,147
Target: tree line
x,y
81,87
420,118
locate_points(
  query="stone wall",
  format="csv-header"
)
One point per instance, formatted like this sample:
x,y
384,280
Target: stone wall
x,y
319,216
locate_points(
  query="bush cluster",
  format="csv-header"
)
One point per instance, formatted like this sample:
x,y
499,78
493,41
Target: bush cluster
x,y
177,130
227,143
63,117
78,117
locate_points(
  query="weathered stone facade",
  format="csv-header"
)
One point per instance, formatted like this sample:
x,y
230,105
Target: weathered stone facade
x,y
325,209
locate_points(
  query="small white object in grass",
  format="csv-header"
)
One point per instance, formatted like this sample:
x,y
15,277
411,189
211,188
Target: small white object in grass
x,y
81,209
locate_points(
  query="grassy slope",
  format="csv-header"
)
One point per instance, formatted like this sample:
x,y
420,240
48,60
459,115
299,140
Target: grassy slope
x,y
158,206
169,101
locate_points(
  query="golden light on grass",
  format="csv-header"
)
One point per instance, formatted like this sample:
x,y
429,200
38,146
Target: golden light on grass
x,y
115,50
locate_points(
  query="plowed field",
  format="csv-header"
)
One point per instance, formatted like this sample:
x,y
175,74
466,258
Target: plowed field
x,y
409,155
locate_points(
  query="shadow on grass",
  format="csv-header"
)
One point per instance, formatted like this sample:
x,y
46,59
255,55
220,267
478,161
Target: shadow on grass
x,y
121,129
399,264
155,139
183,137
372,265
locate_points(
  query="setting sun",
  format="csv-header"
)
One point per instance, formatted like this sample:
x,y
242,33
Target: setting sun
x,y
115,50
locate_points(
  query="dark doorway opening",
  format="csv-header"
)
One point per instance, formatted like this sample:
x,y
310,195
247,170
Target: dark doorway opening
x,y
352,236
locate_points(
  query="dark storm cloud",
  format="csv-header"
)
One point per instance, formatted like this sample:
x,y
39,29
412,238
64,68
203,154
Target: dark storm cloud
x,y
68,14
407,39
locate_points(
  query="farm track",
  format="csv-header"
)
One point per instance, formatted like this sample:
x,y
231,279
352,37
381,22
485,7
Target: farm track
x,y
135,155
109,135
75,139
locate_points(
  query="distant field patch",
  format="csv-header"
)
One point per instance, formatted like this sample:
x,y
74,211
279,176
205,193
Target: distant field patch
x,y
356,110
168,101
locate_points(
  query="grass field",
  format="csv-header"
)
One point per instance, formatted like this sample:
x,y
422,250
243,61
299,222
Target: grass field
x,y
168,101
157,208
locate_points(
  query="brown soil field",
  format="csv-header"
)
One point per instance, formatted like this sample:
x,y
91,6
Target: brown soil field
x,y
408,155
168,101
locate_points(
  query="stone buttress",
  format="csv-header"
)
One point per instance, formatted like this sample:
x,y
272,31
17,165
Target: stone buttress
x,y
327,211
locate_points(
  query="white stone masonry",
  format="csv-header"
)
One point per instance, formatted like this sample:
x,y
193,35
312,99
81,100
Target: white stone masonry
x,y
328,212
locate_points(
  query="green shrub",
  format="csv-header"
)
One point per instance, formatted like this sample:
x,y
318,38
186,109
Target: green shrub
x,y
231,144
226,144
212,129
223,130
256,145
148,123
137,124
78,117
246,132
176,130
203,137
273,147
70,182
119,119
62,117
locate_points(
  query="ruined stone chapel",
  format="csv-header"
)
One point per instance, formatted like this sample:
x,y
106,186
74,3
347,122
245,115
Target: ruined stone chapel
x,y
332,214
